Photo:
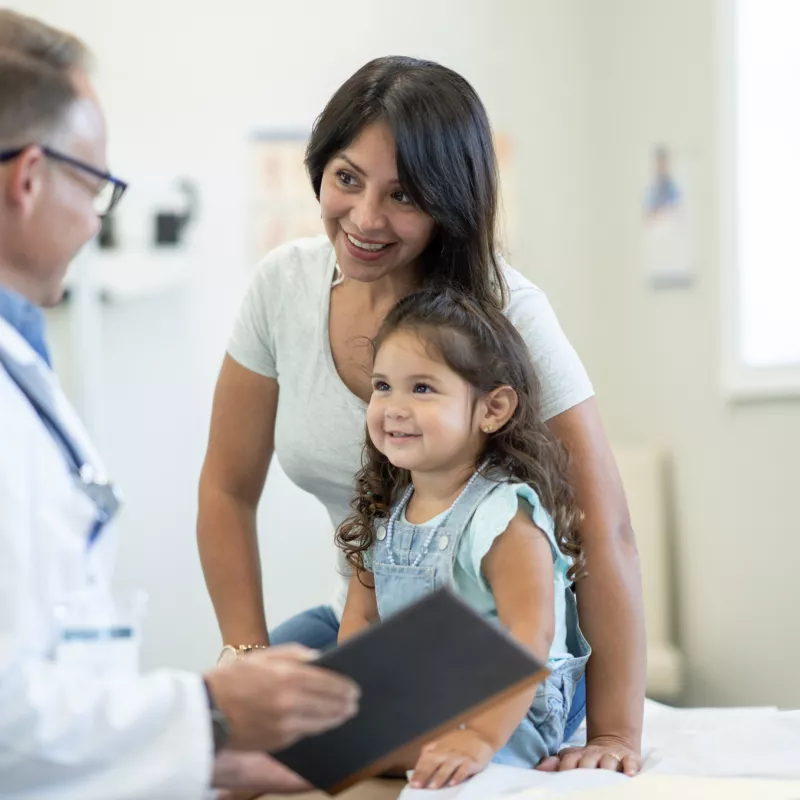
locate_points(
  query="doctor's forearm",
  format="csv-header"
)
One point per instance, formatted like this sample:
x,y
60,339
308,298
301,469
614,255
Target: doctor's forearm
x,y
101,735
226,537
237,770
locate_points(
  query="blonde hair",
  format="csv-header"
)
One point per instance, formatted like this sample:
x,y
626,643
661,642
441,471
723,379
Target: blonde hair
x,y
52,47
37,68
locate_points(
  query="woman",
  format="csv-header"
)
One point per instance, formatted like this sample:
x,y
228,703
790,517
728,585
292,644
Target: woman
x,y
402,163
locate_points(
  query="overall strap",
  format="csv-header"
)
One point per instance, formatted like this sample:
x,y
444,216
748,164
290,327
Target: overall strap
x,y
467,504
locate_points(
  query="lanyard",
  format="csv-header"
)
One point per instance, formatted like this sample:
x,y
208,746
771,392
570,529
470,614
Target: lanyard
x,y
103,494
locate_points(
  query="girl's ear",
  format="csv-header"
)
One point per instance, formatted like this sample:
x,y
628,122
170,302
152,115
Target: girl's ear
x,y
499,406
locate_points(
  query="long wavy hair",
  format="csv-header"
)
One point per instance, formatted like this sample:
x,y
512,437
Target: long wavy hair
x,y
446,161
481,345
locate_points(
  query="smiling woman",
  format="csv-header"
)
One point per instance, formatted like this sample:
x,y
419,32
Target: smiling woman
x,y
371,220
403,165
409,147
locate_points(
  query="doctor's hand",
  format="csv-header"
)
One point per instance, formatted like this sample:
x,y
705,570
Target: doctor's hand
x,y
254,771
273,698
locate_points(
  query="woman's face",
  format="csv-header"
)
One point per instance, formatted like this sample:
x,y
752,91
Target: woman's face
x,y
374,227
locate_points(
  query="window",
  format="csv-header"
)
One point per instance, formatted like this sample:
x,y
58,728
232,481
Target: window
x,y
761,196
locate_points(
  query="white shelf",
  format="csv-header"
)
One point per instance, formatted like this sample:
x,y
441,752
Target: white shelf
x,y
122,277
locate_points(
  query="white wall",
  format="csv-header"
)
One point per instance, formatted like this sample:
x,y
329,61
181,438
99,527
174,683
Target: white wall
x,y
184,83
657,367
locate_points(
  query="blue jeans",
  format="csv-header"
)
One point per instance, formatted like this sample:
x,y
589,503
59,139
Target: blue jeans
x,y
318,628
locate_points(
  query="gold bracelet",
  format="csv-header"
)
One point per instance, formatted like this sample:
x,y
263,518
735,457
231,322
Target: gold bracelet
x,y
243,649
230,653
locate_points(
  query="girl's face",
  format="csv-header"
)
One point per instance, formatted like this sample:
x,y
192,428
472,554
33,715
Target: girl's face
x,y
422,415
374,227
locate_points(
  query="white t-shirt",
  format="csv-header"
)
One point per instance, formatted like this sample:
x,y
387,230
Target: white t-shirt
x,y
282,332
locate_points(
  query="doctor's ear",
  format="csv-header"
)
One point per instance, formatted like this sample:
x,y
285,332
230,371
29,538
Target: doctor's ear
x,y
498,408
25,180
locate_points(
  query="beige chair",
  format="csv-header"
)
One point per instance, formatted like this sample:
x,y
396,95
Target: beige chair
x,y
644,475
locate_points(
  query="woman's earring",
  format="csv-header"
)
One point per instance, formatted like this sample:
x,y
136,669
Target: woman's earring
x,y
487,429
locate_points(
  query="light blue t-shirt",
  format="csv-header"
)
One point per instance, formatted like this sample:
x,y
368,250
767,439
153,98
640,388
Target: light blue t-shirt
x,y
491,518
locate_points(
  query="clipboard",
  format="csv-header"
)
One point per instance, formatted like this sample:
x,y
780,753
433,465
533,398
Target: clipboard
x,y
421,672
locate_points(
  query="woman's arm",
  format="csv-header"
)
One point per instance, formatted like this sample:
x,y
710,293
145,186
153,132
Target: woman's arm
x,y
239,452
361,608
609,600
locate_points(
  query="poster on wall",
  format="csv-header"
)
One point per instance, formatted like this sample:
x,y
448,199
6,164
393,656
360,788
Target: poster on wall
x,y
507,212
282,202
666,221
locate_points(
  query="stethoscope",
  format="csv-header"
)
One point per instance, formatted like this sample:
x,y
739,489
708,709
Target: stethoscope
x,y
103,494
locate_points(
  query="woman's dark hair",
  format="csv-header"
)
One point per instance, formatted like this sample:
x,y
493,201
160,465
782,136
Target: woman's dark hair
x,y
445,161
481,345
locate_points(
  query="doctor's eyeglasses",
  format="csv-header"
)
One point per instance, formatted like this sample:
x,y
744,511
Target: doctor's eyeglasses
x,y
108,194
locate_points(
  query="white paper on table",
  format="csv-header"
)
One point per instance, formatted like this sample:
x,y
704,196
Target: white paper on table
x,y
498,782
669,787
712,742
751,745
665,726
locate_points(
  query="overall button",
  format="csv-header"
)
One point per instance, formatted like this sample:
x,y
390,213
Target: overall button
x,y
443,542
381,533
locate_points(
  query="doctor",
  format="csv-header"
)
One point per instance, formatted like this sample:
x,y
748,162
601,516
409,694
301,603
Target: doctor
x,y
76,719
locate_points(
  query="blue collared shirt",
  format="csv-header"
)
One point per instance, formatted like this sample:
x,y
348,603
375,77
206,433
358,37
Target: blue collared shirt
x,y
26,318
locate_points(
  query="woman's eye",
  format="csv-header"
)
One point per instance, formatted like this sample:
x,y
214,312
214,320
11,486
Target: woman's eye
x,y
402,197
345,178
422,388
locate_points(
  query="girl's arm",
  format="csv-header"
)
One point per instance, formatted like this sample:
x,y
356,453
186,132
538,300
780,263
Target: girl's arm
x,y
361,608
519,568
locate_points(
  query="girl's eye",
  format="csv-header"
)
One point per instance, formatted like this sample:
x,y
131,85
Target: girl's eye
x,y
380,386
402,197
422,388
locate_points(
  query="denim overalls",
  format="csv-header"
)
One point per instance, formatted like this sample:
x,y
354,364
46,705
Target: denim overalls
x,y
401,583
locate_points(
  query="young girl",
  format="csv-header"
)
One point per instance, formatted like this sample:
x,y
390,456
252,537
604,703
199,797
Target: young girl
x,y
463,485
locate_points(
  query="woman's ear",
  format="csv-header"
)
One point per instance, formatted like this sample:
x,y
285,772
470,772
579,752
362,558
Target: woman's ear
x,y
499,406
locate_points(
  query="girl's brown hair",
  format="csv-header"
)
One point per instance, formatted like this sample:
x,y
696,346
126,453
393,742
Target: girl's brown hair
x,y
481,345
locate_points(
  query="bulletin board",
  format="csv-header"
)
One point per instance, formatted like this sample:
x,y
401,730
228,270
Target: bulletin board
x,y
282,202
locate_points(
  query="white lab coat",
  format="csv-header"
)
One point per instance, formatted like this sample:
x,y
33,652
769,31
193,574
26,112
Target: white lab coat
x,y
66,733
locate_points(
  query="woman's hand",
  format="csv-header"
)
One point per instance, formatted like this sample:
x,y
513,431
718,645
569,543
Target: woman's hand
x,y
602,752
451,759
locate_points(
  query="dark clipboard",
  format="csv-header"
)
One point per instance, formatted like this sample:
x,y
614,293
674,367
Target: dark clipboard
x,y
421,672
